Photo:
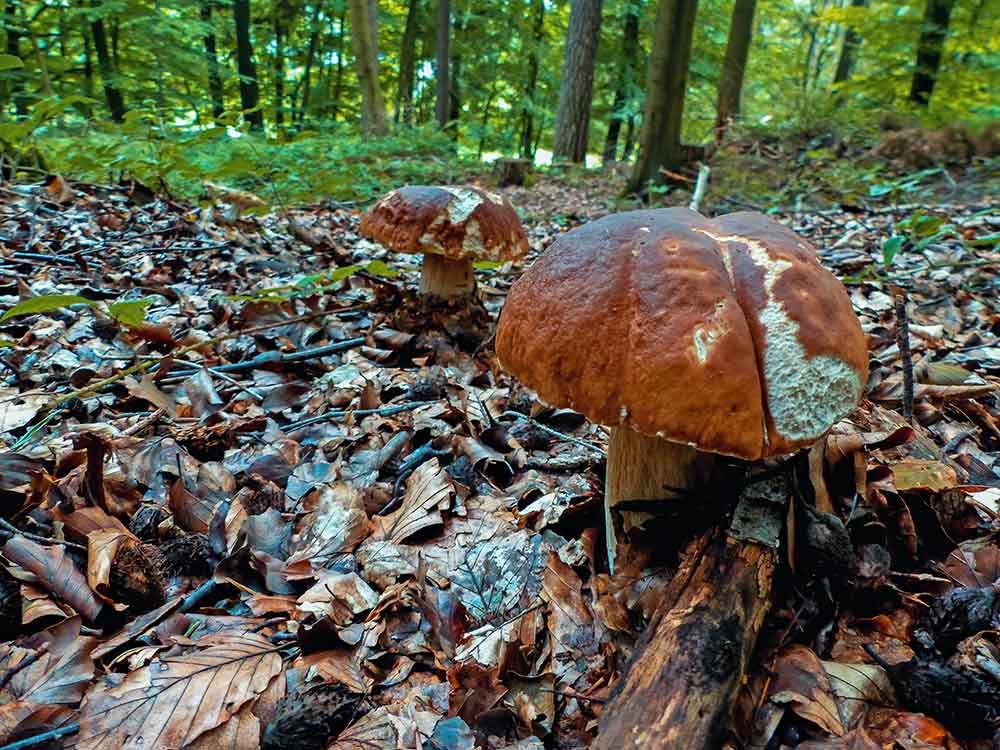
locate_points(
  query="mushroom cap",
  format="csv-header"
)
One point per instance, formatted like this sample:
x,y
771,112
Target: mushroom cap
x,y
460,223
725,334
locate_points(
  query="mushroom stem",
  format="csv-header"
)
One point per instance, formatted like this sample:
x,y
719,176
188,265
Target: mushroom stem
x,y
645,468
446,278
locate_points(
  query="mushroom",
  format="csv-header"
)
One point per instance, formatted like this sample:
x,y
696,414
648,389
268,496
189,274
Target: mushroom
x,y
452,227
688,337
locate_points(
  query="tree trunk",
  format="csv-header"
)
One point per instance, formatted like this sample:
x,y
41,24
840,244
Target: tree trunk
x,y
338,82
937,16
16,85
407,66
443,59
88,63
373,115
249,90
660,139
527,144
116,102
845,63
305,83
629,138
734,65
576,87
455,90
682,682
280,38
626,78
212,61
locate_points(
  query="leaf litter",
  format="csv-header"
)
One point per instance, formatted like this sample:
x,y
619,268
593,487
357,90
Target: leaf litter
x,y
314,513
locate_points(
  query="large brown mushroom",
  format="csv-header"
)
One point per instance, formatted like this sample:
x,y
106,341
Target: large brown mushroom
x,y
452,227
687,336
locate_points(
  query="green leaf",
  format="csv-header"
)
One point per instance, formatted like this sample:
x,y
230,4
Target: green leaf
x,y
131,314
487,265
380,269
890,248
6,343
44,303
882,188
9,62
342,273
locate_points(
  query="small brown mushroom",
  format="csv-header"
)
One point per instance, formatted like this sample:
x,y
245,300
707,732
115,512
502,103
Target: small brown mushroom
x,y
688,337
451,227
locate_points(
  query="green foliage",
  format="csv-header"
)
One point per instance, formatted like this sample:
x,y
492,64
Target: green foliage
x,y
317,283
44,303
131,313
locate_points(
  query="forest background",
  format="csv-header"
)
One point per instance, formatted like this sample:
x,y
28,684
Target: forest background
x,y
312,99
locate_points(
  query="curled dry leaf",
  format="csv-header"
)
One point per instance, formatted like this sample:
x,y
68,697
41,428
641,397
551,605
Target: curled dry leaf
x,y
923,475
428,491
175,700
55,570
102,546
801,683
334,526
340,596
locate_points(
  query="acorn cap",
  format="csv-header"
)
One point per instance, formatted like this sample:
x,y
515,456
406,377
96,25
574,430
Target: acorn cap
x,y
460,223
724,334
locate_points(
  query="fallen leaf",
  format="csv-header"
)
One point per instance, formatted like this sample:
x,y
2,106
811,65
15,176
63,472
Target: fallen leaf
x,y
176,699
428,491
801,683
55,570
923,475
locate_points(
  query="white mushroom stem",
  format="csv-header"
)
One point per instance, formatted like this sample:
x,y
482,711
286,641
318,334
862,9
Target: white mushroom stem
x,y
646,468
446,278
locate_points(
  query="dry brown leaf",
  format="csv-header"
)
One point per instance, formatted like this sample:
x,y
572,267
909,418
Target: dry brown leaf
x,y
55,570
36,604
336,525
801,683
923,475
175,700
339,596
857,739
428,491
17,409
146,390
893,728
102,546
241,732
858,686
971,566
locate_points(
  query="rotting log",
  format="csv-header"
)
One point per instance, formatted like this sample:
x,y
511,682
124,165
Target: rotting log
x,y
681,683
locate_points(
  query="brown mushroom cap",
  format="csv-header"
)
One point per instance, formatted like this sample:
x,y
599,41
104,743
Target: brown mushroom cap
x,y
457,222
725,334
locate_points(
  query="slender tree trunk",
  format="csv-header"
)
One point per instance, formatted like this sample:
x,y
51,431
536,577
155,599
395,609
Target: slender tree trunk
x,y
576,87
626,78
629,139
937,16
338,81
306,82
455,80
116,102
15,88
407,66
249,90
527,145
734,65
660,140
212,61
852,39
442,56
373,115
280,39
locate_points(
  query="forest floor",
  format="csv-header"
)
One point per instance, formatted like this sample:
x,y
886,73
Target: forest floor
x,y
267,503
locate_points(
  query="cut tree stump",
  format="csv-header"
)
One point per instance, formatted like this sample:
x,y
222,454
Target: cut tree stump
x,y
512,171
682,680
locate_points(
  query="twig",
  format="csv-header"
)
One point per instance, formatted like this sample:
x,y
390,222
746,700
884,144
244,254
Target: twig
x,y
340,414
142,424
423,453
12,529
899,299
196,597
701,187
23,664
44,737
571,694
555,433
